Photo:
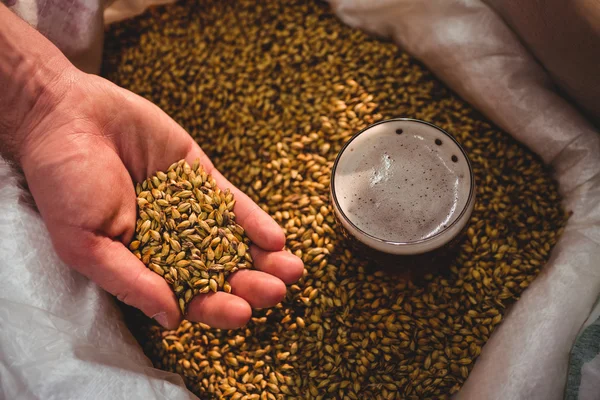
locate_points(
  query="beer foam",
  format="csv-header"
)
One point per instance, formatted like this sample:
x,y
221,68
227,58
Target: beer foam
x,y
402,181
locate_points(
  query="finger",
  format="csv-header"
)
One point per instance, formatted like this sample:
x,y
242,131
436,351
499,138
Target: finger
x,y
169,143
219,310
281,264
259,289
114,268
260,227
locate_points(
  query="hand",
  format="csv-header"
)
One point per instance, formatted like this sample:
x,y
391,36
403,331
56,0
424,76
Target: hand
x,y
83,142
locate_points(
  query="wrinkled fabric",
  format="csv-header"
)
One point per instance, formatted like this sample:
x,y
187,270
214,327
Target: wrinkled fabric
x,y
584,364
74,26
62,337
120,10
565,37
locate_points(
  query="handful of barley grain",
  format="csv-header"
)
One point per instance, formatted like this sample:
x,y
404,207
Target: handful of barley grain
x,y
186,231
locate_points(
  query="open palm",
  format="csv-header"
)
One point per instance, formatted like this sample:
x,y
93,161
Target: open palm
x,y
80,160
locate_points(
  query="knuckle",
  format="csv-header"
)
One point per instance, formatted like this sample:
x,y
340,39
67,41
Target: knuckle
x,y
125,291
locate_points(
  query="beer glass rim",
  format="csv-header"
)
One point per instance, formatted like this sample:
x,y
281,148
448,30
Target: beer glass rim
x,y
420,241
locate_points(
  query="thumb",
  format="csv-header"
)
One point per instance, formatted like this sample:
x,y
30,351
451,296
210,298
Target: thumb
x,y
114,268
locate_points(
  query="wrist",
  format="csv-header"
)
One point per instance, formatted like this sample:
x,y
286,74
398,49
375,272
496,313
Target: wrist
x,y
32,76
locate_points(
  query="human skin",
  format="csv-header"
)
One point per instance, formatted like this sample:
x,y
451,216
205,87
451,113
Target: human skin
x,y
81,142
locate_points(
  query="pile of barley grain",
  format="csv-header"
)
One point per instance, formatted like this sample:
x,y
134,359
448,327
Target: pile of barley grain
x,y
186,231
271,90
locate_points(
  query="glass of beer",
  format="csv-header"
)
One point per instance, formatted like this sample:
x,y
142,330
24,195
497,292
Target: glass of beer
x,y
403,192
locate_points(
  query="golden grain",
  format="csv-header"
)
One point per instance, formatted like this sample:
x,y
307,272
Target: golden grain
x,y
271,91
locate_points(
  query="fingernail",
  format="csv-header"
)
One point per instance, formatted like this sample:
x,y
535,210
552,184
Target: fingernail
x,y
162,319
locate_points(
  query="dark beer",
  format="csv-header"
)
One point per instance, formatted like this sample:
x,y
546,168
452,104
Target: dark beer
x,y
403,190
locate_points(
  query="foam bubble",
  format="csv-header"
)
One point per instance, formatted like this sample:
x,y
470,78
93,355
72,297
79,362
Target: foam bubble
x,y
402,187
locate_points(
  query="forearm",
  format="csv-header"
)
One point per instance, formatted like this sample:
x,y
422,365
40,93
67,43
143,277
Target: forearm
x,y
30,68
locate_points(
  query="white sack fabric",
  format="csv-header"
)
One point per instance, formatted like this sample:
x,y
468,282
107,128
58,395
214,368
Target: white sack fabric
x,y
74,26
61,337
